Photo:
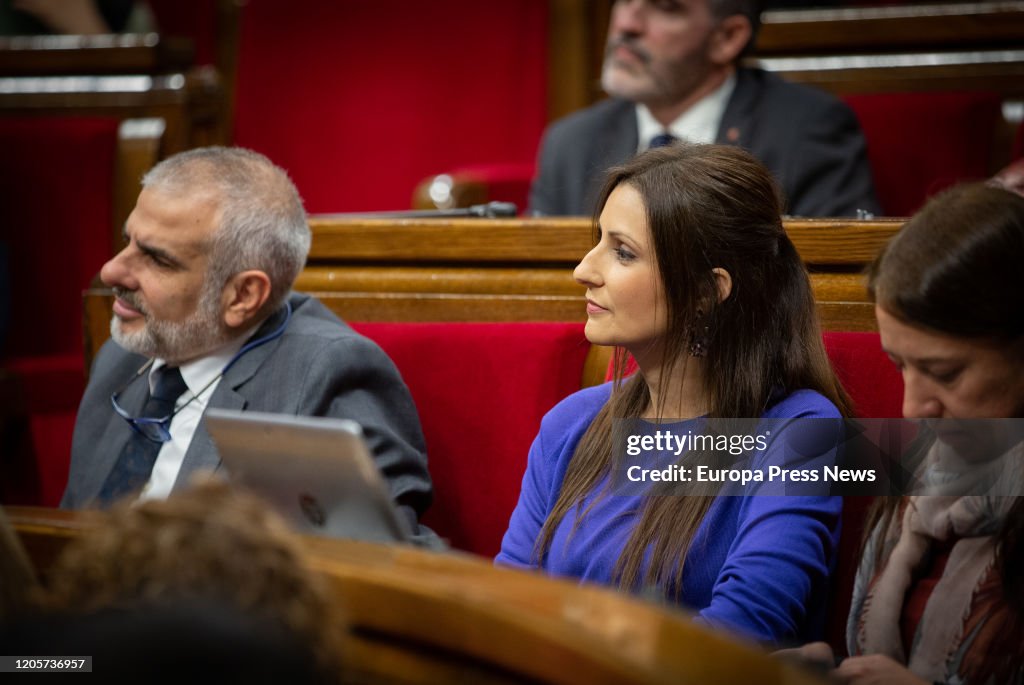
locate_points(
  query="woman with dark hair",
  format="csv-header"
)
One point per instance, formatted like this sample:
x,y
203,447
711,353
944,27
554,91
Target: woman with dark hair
x,y
693,276
939,595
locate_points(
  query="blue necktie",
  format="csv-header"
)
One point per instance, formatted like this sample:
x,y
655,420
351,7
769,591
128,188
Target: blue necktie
x,y
661,140
135,463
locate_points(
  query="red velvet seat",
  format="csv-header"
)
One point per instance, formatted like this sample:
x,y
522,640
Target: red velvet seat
x,y
876,388
866,373
921,143
452,84
873,383
56,194
481,390
197,21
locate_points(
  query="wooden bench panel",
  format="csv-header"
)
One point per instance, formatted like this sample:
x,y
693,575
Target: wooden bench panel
x,y
419,279
515,270
542,241
125,53
549,240
420,617
896,27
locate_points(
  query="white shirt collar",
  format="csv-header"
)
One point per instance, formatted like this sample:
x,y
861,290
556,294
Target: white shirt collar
x,y
698,124
199,373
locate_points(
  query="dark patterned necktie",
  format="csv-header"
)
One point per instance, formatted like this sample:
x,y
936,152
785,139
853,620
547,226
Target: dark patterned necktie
x,y
135,463
661,140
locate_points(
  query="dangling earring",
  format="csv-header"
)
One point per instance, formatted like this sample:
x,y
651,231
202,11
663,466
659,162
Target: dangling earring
x,y
700,337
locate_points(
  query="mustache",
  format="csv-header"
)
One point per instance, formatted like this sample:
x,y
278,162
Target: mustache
x,y
129,297
628,42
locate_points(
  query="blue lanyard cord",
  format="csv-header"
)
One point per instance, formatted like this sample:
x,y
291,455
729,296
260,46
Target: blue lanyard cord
x,y
277,333
144,425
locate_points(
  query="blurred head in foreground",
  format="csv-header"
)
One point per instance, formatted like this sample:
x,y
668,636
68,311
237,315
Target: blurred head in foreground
x,y
211,544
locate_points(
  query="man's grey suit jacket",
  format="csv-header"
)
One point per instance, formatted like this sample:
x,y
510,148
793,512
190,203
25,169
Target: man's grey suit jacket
x,y
809,140
317,367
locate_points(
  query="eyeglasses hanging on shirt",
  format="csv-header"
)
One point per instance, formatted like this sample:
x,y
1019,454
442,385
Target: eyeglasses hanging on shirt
x,y
159,429
661,140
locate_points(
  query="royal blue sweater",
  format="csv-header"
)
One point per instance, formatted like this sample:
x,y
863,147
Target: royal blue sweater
x,y
759,564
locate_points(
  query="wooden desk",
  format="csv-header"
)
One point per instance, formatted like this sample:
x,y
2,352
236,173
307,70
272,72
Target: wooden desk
x,y
419,617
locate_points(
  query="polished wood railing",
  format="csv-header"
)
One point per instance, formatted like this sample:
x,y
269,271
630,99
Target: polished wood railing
x,y
427,617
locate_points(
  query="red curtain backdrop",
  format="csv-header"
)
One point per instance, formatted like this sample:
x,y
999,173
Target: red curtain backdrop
x,y
359,101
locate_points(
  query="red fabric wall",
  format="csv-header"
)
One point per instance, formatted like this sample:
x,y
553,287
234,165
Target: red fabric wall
x,y
919,144
359,101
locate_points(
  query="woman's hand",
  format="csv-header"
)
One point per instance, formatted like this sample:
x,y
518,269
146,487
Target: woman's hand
x,y
816,652
815,656
876,669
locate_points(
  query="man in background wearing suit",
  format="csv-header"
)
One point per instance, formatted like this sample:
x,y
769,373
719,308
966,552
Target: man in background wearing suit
x,y
204,316
672,69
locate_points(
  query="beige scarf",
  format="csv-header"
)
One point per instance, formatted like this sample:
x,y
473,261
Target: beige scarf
x,y
972,520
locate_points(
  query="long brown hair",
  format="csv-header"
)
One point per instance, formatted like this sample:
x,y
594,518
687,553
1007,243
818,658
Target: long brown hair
x,y
707,206
955,269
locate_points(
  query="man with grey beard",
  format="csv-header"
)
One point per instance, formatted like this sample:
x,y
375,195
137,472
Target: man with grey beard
x,y
673,70
204,316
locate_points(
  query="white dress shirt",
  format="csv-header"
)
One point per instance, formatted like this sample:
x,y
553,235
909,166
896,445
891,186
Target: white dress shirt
x,y
699,124
202,377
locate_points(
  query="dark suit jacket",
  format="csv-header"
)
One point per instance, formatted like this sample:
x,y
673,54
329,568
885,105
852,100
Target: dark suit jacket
x,y
318,367
809,140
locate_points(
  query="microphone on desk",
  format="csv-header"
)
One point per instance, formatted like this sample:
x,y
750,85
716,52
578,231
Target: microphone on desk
x,y
493,210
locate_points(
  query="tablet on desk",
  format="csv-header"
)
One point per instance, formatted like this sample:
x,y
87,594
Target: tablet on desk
x,y
316,472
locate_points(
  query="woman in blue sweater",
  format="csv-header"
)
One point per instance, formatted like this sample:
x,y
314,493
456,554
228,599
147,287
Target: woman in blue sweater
x,y
693,276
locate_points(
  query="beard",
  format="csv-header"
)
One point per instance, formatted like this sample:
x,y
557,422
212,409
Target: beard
x,y
650,80
173,341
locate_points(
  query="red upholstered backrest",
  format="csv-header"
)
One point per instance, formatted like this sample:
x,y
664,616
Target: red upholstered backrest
x,y
876,388
194,20
922,143
56,196
481,390
44,391
872,381
855,509
360,101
